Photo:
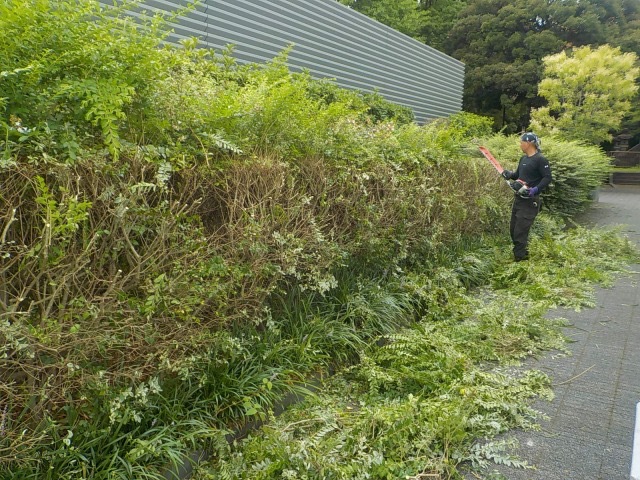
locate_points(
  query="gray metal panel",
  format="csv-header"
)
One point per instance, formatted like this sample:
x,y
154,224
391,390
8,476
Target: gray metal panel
x,y
330,41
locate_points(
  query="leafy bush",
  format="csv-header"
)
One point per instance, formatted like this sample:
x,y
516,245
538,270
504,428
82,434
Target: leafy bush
x,y
459,128
416,403
71,75
371,105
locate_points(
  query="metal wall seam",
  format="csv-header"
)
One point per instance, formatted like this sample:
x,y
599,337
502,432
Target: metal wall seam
x,y
338,56
330,41
369,27
322,27
347,71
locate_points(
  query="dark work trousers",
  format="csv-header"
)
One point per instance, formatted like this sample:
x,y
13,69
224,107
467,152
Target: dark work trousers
x,y
523,213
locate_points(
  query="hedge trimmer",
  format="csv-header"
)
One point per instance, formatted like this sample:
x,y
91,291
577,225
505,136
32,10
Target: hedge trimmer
x,y
519,185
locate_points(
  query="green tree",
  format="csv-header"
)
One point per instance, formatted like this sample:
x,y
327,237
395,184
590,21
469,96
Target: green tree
x,y
629,37
629,41
588,93
406,16
502,43
440,17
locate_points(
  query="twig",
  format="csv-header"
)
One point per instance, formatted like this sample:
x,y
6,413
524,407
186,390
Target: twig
x,y
573,378
3,422
3,292
3,237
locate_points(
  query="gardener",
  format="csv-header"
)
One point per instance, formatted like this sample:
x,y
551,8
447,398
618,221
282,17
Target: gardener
x,y
531,177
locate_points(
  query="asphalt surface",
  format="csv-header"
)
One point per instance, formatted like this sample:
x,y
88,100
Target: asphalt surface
x,y
590,430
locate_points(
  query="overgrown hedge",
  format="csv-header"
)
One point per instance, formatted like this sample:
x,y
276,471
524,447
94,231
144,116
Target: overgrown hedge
x,y
156,207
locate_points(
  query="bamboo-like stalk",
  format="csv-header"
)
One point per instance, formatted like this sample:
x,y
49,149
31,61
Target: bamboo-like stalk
x,y
3,279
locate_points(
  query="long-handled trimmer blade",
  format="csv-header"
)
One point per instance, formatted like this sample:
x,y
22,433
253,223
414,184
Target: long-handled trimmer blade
x,y
487,154
496,164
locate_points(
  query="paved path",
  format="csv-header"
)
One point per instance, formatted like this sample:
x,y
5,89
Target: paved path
x,y
589,434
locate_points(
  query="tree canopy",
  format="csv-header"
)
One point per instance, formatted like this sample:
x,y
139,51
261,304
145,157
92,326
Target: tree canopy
x,y
588,93
503,42
406,16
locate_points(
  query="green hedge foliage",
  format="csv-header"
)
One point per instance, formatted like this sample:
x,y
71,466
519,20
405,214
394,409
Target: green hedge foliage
x,y
159,208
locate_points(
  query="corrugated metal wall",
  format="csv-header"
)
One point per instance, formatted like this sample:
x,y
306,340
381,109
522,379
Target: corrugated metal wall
x,y
331,41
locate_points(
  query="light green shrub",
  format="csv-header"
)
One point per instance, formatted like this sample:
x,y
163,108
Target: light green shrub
x,y
75,74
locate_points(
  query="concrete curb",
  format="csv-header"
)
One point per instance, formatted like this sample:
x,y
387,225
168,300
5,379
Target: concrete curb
x,y
635,456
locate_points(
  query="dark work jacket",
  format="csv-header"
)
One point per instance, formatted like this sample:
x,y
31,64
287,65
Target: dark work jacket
x,y
534,171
